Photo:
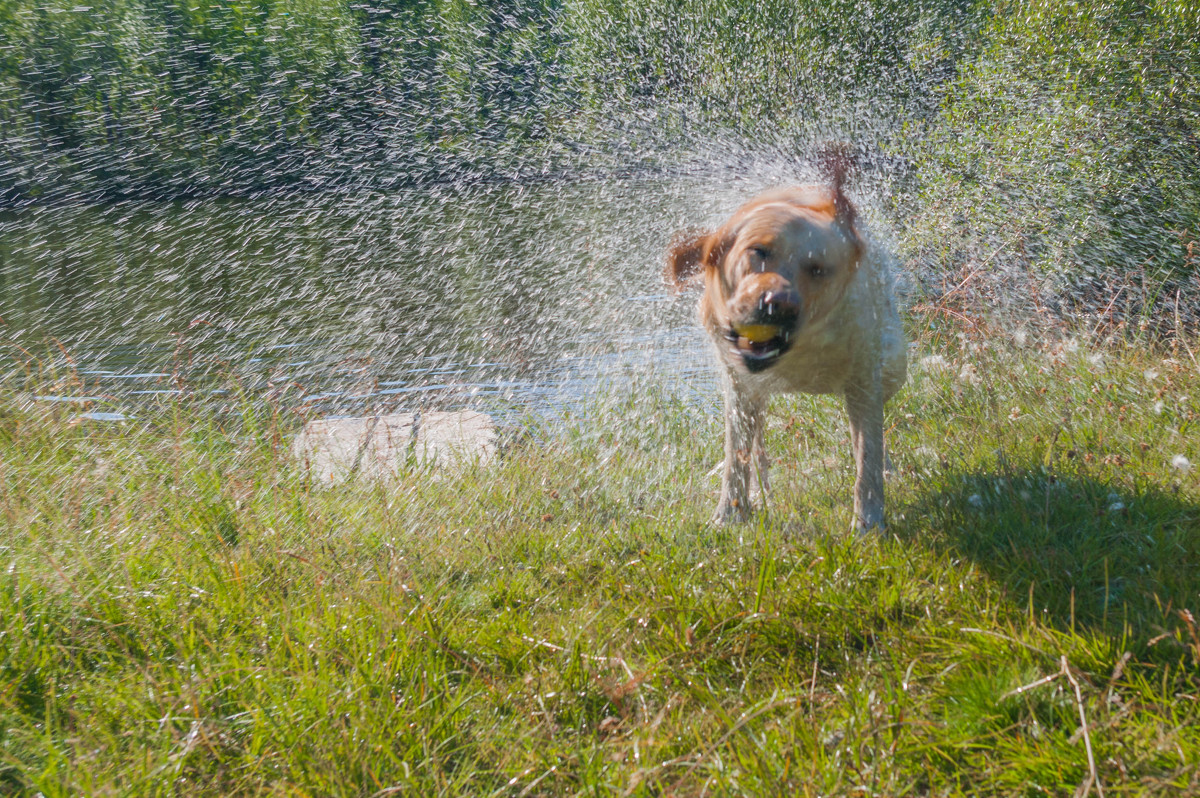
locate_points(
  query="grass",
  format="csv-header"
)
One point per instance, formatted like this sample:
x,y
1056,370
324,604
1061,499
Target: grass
x,y
182,611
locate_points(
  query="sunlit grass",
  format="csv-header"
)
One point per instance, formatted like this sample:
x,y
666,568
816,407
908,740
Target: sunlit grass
x,y
182,611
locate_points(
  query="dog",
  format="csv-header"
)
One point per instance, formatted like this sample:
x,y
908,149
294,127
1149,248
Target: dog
x,y
797,298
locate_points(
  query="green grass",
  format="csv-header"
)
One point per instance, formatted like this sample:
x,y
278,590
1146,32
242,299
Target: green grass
x,y
183,612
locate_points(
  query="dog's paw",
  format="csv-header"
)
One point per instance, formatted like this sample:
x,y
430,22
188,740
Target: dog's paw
x,y
868,512
871,525
731,513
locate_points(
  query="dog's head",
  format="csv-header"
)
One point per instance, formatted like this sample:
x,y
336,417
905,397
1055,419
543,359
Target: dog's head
x,y
778,266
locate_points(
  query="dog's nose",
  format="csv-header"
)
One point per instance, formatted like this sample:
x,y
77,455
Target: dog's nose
x,y
778,306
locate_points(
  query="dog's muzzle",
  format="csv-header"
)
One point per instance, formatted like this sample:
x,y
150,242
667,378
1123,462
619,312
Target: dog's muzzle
x,y
761,337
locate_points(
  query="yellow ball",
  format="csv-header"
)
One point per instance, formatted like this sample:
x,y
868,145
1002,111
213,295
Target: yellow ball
x,y
757,333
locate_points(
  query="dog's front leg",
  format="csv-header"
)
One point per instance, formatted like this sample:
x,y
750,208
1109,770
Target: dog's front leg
x,y
760,483
864,405
743,429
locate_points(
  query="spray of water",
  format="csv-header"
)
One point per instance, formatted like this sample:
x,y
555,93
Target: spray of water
x,y
380,206
230,226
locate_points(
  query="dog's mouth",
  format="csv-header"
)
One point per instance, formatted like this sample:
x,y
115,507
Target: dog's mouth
x,y
758,345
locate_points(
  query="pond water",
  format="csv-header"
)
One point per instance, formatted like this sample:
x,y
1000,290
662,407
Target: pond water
x,y
507,298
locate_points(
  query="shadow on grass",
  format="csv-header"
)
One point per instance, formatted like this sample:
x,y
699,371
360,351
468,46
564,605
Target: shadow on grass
x,y
1079,552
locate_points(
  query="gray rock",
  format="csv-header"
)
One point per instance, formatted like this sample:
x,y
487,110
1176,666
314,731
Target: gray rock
x,y
336,449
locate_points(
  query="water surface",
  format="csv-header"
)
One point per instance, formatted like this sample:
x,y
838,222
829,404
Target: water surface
x,y
509,298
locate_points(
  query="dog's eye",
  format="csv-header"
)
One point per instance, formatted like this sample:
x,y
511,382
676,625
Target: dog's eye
x,y
816,270
759,252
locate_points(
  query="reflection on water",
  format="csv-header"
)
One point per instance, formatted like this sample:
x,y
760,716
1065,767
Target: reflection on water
x,y
501,297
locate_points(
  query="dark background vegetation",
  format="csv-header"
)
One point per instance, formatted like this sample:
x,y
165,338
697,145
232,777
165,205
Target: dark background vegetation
x,y
197,97
1063,135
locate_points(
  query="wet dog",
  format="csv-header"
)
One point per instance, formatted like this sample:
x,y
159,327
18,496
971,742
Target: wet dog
x,y
797,297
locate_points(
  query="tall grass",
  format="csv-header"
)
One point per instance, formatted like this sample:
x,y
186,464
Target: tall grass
x,y
1065,155
183,611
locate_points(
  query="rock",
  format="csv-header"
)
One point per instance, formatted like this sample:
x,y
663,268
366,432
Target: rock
x,y
331,448
336,449
454,437
386,445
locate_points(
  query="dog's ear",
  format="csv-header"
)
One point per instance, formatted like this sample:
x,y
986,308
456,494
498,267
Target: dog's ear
x,y
835,161
685,256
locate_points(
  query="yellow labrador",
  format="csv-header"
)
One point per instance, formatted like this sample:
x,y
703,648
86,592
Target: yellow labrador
x,y
797,298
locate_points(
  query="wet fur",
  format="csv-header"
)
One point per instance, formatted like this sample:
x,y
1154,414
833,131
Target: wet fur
x,y
848,340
